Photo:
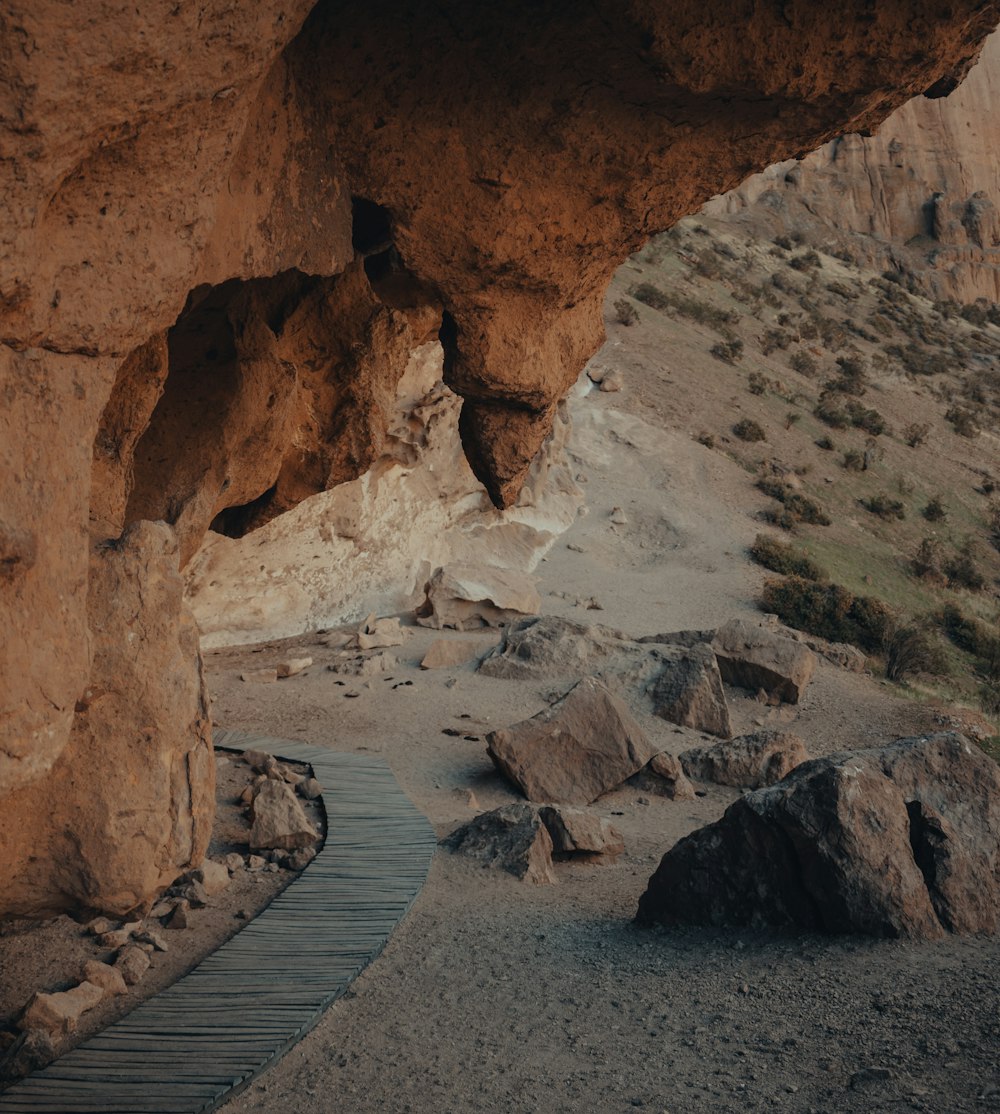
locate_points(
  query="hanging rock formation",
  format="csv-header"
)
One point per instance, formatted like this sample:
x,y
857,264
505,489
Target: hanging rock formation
x,y
224,230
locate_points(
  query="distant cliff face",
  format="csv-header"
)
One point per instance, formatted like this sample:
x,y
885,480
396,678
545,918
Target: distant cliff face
x,y
921,195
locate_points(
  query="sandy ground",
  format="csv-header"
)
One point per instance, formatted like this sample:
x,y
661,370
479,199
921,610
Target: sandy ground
x,y
494,995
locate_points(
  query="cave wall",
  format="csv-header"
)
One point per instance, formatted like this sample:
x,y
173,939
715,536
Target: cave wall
x,y
323,189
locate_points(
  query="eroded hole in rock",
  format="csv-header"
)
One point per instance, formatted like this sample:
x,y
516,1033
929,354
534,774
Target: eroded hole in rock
x,y
371,228
234,522
448,337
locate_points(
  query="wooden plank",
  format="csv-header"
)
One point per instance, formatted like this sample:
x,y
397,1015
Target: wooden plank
x,y
242,1008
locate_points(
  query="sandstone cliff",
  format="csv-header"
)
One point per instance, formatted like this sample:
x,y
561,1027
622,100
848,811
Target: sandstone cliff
x,y
919,196
226,227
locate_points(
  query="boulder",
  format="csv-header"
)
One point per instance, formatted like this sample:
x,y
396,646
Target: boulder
x,y
512,838
466,597
446,653
549,648
665,776
749,762
899,841
378,634
688,691
574,831
58,1014
574,751
213,876
755,657
103,975
278,819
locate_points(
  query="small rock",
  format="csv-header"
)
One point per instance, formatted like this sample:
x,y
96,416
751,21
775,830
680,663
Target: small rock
x,y
196,894
179,917
108,978
260,676
119,937
309,788
234,862
162,909
58,1014
574,548
377,634
213,877
574,831
153,939
664,775
257,760
512,838
299,860
446,653
99,926
133,964
336,640
618,517
256,862
278,819
612,381
292,666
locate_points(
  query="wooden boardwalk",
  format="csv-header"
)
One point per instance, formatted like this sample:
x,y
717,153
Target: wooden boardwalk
x,y
192,1046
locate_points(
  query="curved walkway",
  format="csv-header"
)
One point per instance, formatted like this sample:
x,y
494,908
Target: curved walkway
x,y
192,1046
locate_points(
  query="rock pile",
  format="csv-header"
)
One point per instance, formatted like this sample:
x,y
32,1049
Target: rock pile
x,y
467,597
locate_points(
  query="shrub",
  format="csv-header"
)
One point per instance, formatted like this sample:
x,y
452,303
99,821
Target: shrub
x,y
926,562
783,242
729,351
780,557
853,461
804,364
773,340
963,571
915,434
702,312
792,417
757,383
851,379
910,649
830,411
830,611
935,511
973,636
993,524
746,429
807,261
825,444
625,312
871,421
795,507
963,421
884,507
707,439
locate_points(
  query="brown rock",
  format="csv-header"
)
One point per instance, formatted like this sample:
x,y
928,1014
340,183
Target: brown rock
x,y
445,653
898,841
309,788
689,692
754,657
466,597
278,819
213,876
179,917
103,975
574,831
133,963
512,838
58,1014
378,634
748,762
581,747
548,648
260,676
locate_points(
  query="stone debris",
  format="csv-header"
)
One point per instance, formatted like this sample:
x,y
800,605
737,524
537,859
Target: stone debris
x,y
309,788
234,861
299,860
108,978
58,1014
754,657
120,936
153,939
574,831
446,653
293,666
133,963
574,751
689,692
898,841
260,676
99,926
179,917
618,517
213,877
278,819
466,597
511,838
360,665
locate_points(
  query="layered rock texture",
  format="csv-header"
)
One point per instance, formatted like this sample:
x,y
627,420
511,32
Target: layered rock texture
x,y
919,196
225,230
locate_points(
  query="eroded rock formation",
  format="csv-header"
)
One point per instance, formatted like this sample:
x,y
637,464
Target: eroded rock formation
x,y
224,230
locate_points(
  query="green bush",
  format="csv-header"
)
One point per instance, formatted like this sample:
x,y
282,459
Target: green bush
x,y
927,561
963,571
796,507
830,611
935,510
911,649
780,557
804,364
729,351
